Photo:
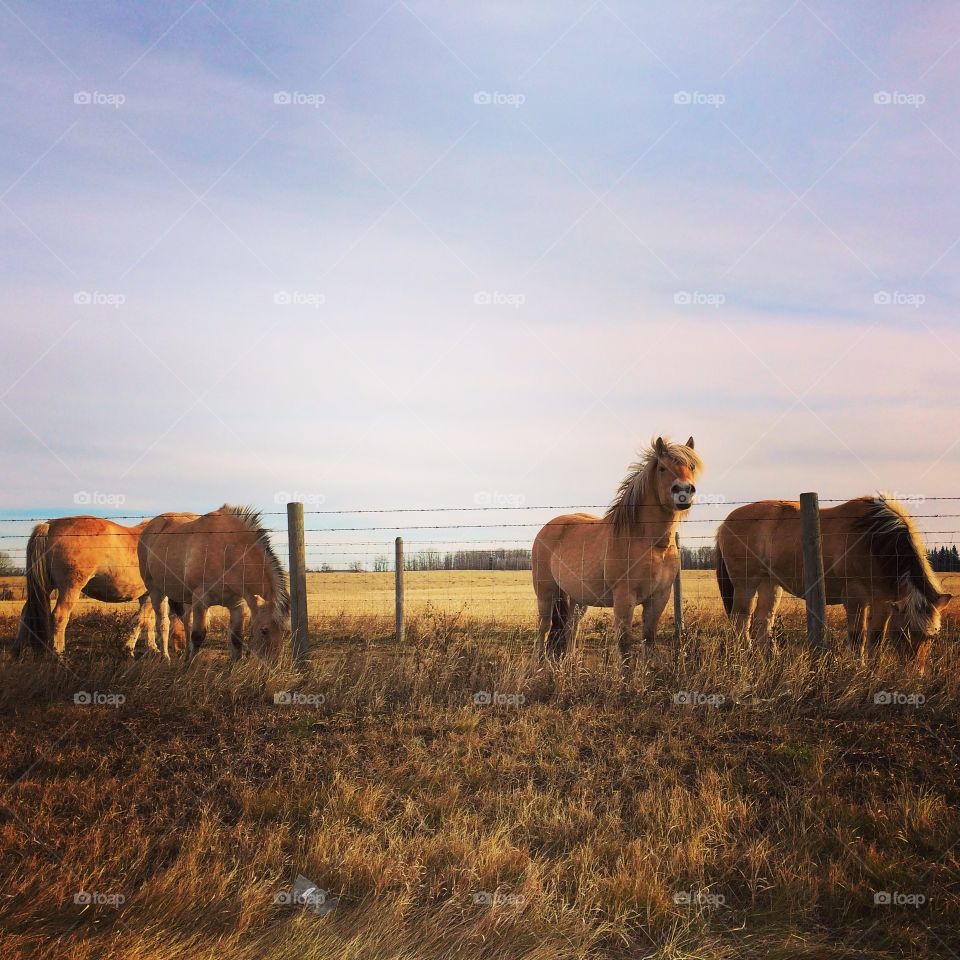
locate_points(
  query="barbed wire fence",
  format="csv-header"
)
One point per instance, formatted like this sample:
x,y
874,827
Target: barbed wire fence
x,y
476,559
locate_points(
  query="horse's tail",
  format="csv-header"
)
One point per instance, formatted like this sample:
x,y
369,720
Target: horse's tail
x,y
559,615
898,552
37,620
723,581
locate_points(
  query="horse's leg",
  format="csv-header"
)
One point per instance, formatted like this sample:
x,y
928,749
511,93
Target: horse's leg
x,y
573,626
198,629
545,602
239,621
66,599
856,626
741,612
139,624
768,600
652,611
624,602
877,619
161,614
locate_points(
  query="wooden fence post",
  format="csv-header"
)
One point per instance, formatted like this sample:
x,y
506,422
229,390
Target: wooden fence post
x,y
814,593
298,581
678,598
398,580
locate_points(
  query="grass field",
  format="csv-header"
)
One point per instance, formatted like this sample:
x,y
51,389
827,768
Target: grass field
x,y
722,803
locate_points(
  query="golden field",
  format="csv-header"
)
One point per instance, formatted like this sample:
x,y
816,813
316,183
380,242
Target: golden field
x,y
722,803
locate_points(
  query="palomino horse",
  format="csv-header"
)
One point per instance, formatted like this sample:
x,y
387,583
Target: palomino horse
x,y
874,563
74,556
627,557
224,559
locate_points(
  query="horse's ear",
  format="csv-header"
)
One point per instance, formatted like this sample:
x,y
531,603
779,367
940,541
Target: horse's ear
x,y
258,602
660,446
942,600
690,443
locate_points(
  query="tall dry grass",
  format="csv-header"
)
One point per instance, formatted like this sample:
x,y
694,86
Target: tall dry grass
x,y
722,803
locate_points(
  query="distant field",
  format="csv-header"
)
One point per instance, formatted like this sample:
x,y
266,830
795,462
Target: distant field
x,y
500,596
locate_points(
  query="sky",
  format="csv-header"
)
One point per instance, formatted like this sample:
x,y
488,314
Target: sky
x,y
415,253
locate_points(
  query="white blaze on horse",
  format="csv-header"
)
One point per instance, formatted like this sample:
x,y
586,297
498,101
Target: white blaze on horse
x,y
625,559
874,563
76,556
223,558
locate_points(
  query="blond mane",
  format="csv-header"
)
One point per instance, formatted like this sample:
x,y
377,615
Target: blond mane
x,y
623,511
252,521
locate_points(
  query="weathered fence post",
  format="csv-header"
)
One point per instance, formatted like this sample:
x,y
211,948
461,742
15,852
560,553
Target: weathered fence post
x,y
678,598
813,589
398,579
298,581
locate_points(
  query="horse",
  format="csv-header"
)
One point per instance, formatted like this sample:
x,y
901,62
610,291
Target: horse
x,y
223,558
874,564
625,558
81,555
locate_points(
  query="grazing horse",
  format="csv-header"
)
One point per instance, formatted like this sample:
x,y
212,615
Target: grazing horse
x,y
223,558
627,557
874,563
74,556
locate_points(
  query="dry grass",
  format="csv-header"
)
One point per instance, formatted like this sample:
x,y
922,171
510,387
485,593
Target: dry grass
x,y
588,809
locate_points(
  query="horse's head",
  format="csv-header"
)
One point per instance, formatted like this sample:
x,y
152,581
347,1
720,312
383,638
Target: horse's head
x,y
268,626
674,474
915,618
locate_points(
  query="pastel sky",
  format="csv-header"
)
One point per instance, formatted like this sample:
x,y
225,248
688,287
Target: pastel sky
x,y
424,253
